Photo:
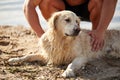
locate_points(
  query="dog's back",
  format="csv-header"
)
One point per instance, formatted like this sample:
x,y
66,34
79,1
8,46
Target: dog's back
x,y
112,43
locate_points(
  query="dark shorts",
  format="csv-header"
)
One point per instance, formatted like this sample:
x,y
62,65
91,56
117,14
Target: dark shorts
x,y
80,10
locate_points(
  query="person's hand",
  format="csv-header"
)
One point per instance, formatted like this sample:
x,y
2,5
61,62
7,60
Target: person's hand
x,y
97,40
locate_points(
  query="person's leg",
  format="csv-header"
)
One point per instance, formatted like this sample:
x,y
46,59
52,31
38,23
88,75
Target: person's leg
x,y
94,8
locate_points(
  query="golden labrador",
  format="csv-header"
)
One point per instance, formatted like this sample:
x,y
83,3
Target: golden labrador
x,y
65,43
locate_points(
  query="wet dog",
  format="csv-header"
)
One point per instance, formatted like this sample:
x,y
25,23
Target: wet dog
x,y
65,43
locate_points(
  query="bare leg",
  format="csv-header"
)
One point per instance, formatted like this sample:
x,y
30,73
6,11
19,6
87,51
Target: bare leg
x,y
30,57
76,64
95,7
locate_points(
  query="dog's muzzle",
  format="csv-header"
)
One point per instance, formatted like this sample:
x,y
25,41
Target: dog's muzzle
x,y
75,32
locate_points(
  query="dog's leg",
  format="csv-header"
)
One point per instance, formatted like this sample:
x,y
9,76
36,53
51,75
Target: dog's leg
x,y
76,64
30,57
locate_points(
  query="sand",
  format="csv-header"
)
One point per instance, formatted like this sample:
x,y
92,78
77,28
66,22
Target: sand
x,y
19,41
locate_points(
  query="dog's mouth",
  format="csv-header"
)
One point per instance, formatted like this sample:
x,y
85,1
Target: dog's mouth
x,y
75,33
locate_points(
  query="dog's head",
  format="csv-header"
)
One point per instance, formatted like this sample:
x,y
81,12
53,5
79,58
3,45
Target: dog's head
x,y
65,22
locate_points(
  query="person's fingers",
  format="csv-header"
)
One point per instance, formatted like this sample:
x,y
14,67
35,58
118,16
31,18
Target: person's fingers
x,y
89,33
94,45
102,44
91,41
96,42
98,46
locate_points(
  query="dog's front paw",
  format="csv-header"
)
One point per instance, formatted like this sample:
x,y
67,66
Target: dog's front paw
x,y
68,73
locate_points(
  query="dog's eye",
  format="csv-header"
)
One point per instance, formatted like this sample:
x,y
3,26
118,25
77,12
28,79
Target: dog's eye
x,y
67,20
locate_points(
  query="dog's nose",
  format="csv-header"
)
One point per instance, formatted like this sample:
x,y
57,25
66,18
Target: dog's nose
x,y
76,29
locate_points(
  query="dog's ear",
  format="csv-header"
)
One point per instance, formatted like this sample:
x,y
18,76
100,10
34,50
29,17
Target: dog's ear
x,y
53,20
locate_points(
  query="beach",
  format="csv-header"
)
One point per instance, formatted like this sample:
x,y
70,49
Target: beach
x,y
18,39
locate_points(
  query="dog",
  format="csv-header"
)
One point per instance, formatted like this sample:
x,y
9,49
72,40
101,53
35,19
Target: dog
x,y
66,43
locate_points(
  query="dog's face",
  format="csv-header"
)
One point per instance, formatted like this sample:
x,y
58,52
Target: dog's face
x,y
66,23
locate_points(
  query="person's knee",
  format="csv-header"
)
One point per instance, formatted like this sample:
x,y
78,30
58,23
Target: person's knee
x,y
28,4
94,8
24,7
95,4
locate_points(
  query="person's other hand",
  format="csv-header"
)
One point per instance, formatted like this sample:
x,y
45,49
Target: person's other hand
x,y
97,40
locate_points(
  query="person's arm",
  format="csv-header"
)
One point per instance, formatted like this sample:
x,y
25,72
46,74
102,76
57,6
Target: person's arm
x,y
107,12
108,8
31,15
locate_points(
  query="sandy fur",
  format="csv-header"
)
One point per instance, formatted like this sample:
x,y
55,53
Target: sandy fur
x,y
56,49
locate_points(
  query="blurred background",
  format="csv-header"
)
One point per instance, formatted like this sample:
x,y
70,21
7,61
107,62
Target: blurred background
x,y
11,13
